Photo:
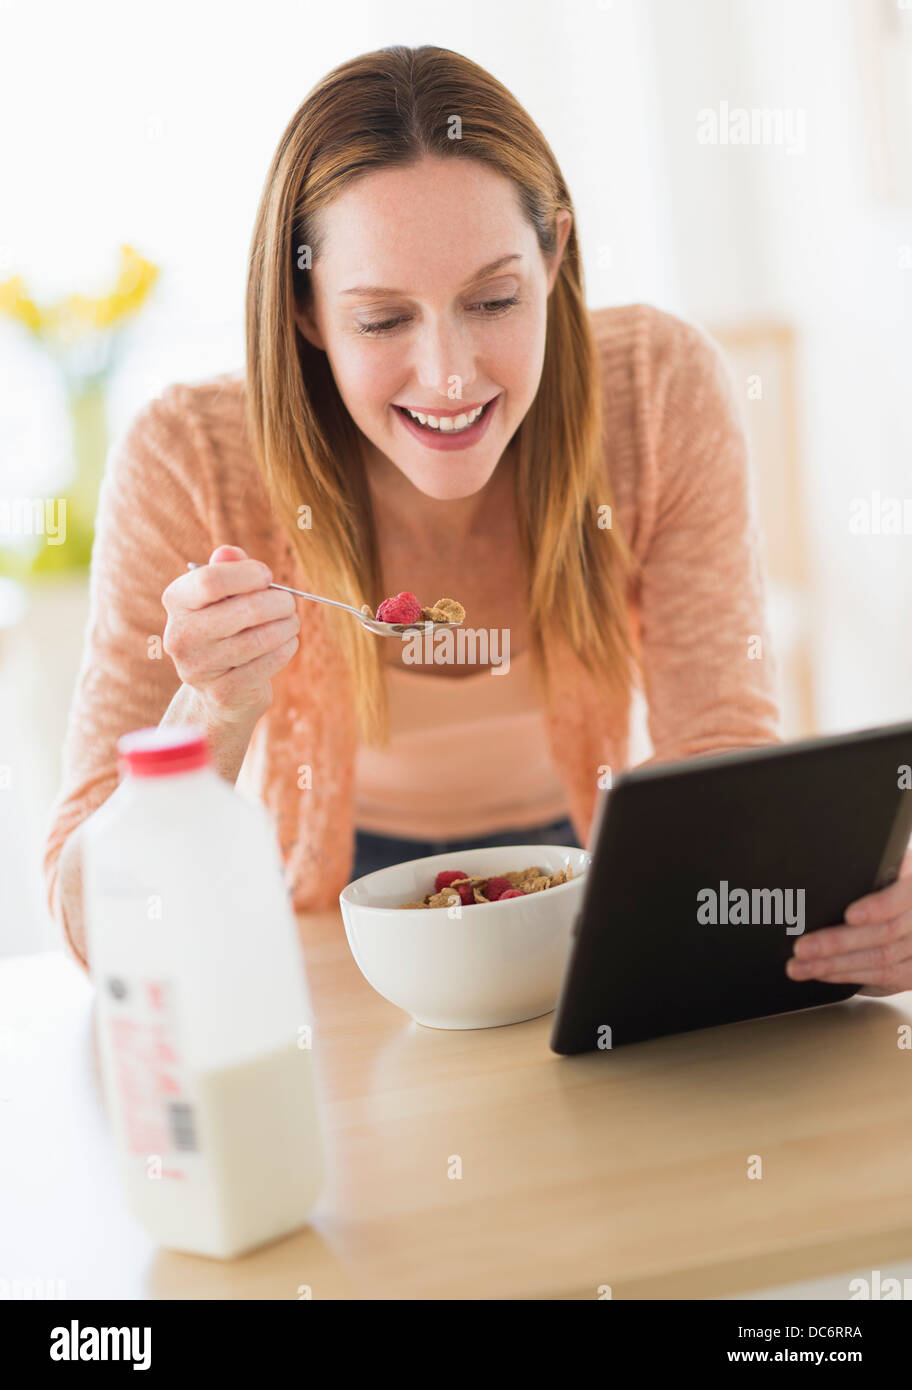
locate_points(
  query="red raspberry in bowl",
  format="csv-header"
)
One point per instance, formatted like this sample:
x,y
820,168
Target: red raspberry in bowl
x,y
511,893
403,608
496,887
446,877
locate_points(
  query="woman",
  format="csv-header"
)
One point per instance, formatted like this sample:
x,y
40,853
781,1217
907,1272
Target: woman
x,y
427,406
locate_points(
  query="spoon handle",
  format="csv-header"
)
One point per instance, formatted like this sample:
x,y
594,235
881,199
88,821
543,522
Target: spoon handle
x,y
317,598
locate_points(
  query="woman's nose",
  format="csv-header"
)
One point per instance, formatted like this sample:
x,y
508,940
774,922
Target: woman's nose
x,y
443,361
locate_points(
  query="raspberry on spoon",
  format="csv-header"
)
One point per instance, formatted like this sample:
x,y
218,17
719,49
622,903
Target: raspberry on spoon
x,y
403,608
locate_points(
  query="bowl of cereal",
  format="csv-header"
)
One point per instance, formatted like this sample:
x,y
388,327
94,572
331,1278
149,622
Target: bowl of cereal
x,y
469,940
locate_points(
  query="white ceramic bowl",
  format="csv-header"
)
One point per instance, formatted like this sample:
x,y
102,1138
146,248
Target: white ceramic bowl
x,y
467,967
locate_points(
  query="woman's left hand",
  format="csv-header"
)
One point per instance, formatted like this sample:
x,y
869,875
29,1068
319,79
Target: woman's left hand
x,y
874,949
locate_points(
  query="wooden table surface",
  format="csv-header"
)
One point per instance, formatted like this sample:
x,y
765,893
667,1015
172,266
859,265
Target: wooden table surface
x,y
627,1169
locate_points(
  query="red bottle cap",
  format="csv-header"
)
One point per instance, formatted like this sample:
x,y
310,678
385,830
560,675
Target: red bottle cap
x,y
156,752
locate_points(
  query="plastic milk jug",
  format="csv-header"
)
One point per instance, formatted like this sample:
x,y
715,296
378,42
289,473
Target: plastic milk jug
x,y
203,1012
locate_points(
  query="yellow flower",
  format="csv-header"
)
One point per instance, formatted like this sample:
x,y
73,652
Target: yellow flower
x,y
79,314
15,302
70,318
136,278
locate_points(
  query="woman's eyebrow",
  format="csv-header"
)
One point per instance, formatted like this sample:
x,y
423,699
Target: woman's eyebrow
x,y
479,274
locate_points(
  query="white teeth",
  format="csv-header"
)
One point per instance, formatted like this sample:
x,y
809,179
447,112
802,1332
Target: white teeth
x,y
447,423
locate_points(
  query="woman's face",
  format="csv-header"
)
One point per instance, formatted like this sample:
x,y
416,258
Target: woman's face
x,y
430,295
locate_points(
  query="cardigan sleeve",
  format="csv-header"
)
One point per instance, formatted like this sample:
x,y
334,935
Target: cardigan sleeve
x,y
711,680
153,516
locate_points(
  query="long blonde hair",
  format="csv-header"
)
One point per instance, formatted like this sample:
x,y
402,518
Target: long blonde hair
x,y
386,108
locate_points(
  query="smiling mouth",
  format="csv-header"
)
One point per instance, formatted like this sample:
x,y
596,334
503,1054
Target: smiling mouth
x,y
445,425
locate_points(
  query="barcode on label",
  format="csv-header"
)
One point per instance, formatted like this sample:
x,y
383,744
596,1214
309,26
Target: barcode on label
x,y
183,1132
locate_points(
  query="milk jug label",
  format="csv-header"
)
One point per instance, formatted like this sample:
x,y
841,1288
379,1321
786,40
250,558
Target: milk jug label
x,y
158,1114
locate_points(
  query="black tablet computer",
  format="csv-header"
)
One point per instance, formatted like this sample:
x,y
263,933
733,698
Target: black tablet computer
x,y
705,871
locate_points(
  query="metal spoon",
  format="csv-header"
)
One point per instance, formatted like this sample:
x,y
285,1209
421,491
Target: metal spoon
x,y
372,625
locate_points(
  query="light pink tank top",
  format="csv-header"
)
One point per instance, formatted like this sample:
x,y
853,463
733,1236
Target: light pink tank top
x,y
468,755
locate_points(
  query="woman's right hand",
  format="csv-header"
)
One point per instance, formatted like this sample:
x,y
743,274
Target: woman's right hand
x,y
228,633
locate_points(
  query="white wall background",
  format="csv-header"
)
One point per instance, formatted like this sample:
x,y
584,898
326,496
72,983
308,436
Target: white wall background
x,y
155,127
763,233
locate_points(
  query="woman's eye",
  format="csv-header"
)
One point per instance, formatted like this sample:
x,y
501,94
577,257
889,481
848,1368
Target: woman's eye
x,y
497,306
383,327
490,308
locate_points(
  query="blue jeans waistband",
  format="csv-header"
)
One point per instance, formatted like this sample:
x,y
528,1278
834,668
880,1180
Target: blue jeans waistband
x,y
374,851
